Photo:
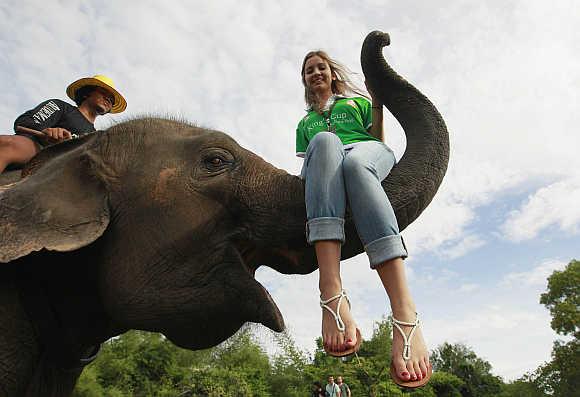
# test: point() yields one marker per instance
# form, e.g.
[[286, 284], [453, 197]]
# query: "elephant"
[[159, 225]]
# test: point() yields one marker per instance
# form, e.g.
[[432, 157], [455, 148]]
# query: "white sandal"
[[407, 353], [340, 324]]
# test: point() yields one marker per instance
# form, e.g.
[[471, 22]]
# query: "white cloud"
[[555, 205], [501, 333], [443, 221], [500, 320], [467, 288], [534, 278], [504, 76], [465, 245], [236, 69]]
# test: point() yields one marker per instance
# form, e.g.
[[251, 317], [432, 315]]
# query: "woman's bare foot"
[[417, 366], [392, 275], [332, 338], [330, 285]]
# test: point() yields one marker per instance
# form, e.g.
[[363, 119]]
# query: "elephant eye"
[[214, 162], [217, 161]]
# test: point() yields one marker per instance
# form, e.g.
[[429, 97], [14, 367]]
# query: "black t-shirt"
[[55, 113]]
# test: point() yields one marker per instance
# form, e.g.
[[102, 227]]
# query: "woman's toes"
[[402, 369], [328, 342], [411, 370], [423, 367], [342, 341], [336, 346], [350, 338], [418, 371], [405, 375]]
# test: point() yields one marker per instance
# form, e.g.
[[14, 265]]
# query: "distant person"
[[332, 389], [317, 390], [344, 389], [58, 120]]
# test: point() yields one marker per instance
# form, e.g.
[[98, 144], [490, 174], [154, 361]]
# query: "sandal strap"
[[397, 323], [324, 304]]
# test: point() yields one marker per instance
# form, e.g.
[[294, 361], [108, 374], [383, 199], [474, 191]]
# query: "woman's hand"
[[375, 101], [377, 129]]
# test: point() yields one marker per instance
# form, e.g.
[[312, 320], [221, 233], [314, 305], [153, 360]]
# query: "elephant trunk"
[[414, 181]]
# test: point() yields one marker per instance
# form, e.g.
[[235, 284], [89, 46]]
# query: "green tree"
[[242, 355], [287, 376], [219, 382], [461, 361], [561, 376], [140, 363], [563, 300], [135, 363], [445, 384], [88, 385], [373, 362], [525, 386]]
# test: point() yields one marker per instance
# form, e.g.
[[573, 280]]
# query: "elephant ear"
[[60, 206]]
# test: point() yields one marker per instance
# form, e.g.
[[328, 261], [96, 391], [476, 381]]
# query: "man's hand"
[[57, 134]]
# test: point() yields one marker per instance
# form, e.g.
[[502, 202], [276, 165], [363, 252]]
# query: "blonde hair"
[[342, 85]]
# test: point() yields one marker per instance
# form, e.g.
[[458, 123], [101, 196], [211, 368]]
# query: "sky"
[[505, 75]]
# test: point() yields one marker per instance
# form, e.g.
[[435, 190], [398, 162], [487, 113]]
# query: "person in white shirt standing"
[[332, 389]]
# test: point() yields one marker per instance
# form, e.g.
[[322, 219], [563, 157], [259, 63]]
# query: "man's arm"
[[45, 117]]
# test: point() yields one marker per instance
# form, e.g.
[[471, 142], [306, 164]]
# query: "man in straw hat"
[[54, 120]]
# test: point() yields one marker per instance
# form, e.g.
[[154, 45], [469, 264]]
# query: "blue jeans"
[[333, 174]]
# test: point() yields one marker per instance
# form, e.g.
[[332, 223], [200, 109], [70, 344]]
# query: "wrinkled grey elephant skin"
[[160, 225]]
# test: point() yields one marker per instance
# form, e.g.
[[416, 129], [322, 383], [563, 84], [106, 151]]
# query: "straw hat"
[[102, 81]]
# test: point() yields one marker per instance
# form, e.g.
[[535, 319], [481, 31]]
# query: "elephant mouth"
[[248, 253], [268, 312], [240, 299]]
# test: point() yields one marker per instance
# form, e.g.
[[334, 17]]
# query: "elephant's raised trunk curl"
[[413, 182], [411, 185]]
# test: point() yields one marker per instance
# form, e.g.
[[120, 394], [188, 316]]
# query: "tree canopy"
[[139, 363]]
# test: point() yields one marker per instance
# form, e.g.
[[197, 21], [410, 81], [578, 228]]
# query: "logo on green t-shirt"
[[348, 118]]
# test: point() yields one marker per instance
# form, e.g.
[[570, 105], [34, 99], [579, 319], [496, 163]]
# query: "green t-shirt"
[[349, 118]]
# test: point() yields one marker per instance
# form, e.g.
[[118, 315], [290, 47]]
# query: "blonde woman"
[[345, 159]]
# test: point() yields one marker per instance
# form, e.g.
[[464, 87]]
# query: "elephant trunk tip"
[[380, 38]]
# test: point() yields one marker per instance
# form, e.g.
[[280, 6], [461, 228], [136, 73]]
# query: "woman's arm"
[[377, 129]]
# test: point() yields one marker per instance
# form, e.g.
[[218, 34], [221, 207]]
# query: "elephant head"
[[159, 225]]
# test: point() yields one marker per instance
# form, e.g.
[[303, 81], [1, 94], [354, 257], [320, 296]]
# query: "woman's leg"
[[325, 208], [15, 149], [392, 275], [330, 284], [364, 167]]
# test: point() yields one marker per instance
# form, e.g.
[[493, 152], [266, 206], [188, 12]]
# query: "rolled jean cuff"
[[384, 249], [326, 228]]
